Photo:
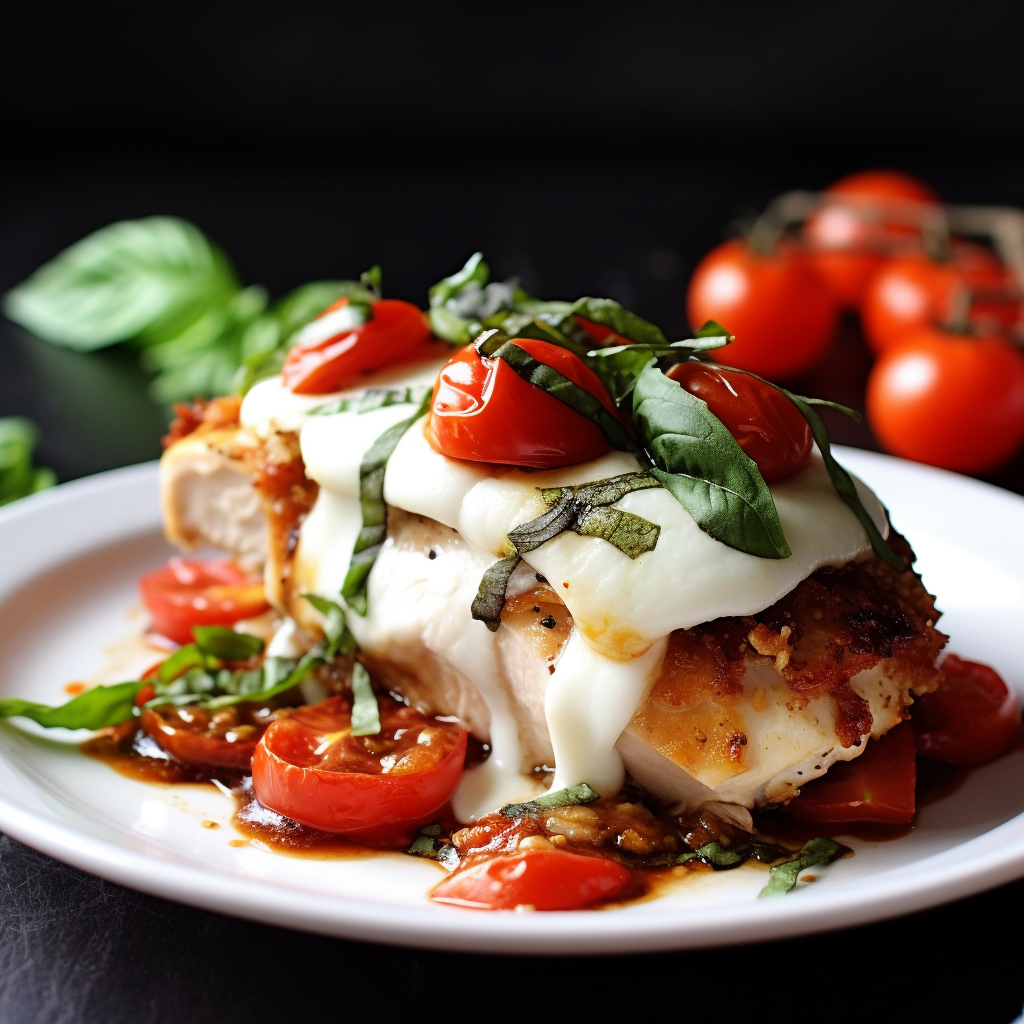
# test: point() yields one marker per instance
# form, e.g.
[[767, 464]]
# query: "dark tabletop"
[[592, 212]]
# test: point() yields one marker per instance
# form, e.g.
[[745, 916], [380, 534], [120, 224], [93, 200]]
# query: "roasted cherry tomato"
[[333, 352], [782, 315], [766, 424], [914, 291], [544, 879], [878, 785], [972, 717], [223, 738], [309, 767], [949, 400], [186, 593], [866, 218], [483, 411]]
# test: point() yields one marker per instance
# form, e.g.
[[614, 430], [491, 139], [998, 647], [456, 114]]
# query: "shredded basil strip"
[[227, 644], [784, 876], [365, 711], [373, 398], [490, 595], [571, 796], [559, 386], [699, 462], [716, 855], [374, 527], [339, 638], [95, 709]]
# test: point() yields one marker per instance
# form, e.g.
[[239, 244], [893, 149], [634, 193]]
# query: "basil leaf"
[[783, 877], [365, 712], [227, 644], [606, 312], [561, 387], [18, 477], [841, 479], [339, 638], [571, 796], [475, 271], [374, 398], [95, 709], [373, 531], [145, 279], [699, 462], [490, 595]]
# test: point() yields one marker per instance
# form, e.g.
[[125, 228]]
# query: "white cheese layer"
[[623, 609]]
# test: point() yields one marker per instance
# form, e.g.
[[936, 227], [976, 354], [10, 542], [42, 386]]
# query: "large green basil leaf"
[[699, 462]]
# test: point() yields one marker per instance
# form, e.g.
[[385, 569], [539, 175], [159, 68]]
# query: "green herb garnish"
[[18, 477], [571, 796], [784, 876]]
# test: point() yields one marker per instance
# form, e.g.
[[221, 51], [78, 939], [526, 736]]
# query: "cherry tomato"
[[863, 221], [332, 353], [766, 424], [224, 738], [972, 717], [950, 400], [483, 411], [186, 593], [781, 313], [309, 767], [543, 879], [878, 785], [914, 291]]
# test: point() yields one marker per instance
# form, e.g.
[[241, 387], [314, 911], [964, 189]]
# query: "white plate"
[[70, 558]]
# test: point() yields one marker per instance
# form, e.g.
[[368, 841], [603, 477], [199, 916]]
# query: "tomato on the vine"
[[337, 348], [863, 221], [916, 291], [951, 400], [766, 424], [971, 718], [483, 411], [544, 879], [877, 785], [186, 593], [782, 315], [309, 767]]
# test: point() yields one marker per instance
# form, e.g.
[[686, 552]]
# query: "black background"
[[591, 149]]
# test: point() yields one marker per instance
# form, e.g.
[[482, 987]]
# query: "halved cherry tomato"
[[911, 292], [878, 785], [766, 424], [186, 593], [538, 878], [224, 738], [333, 353], [781, 313], [867, 217], [972, 717], [309, 767], [949, 400], [483, 411]]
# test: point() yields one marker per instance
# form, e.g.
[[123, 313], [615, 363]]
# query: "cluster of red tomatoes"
[[941, 308]]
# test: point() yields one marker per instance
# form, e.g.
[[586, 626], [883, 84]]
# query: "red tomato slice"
[[876, 786], [186, 593], [336, 359], [221, 739], [309, 767], [483, 411], [766, 424], [542, 879], [972, 717]]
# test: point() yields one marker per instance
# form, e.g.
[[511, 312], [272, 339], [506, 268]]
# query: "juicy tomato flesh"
[[766, 424], [972, 717], [483, 411], [186, 593], [876, 786], [330, 360], [224, 738], [544, 879], [309, 767]]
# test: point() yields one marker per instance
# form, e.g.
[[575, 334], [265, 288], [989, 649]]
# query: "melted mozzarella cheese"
[[623, 609]]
